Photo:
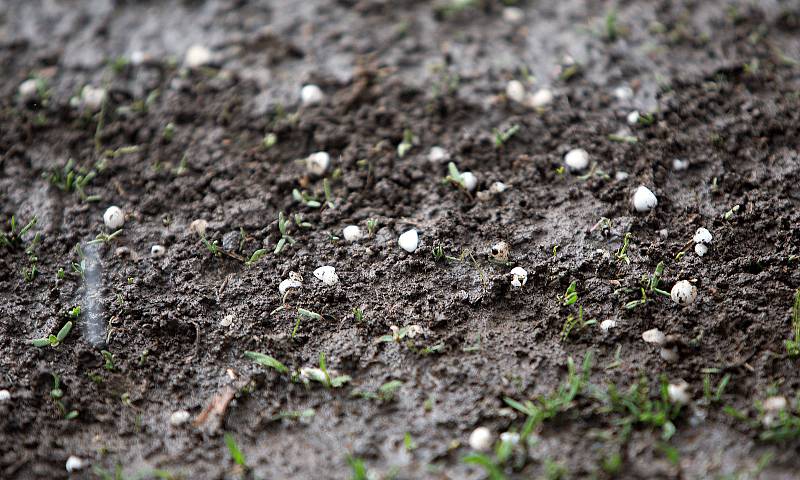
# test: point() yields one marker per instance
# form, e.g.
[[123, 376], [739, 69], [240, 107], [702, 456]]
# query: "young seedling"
[[714, 395], [372, 225], [306, 199], [270, 140], [266, 361], [406, 144], [326, 188], [298, 220], [611, 27], [571, 295], [622, 253], [651, 284], [13, 237], [108, 360], [503, 136], [212, 247], [455, 177], [235, 452], [54, 340], [283, 224], [573, 323], [399, 334], [358, 315], [385, 393], [70, 179], [793, 346], [104, 237], [255, 257], [79, 268], [322, 375], [359, 468], [57, 394]]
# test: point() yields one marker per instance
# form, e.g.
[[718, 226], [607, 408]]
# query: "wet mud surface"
[[716, 83]]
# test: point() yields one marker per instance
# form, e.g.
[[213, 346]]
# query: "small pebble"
[[317, 163], [157, 250], [179, 418], [481, 439], [470, 181], [5, 396], [519, 277], [74, 464], [327, 275], [576, 160], [114, 218], [198, 226], [644, 199], [683, 292], [654, 336], [409, 241], [230, 241], [437, 155], [352, 233], [515, 91], [499, 251], [311, 94]]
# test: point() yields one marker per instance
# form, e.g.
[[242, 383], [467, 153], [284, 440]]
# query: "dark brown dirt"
[[720, 78]]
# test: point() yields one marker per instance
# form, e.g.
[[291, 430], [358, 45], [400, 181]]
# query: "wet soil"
[[720, 79]]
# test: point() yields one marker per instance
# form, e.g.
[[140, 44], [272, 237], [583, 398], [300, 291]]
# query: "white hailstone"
[[409, 241], [513, 15], [92, 98], [287, 284], [621, 175], [654, 335], [663, 233], [701, 249], [576, 160], [633, 118], [157, 250], [775, 404], [227, 320], [438, 154], [29, 89], [607, 325], [519, 277], [470, 181], [413, 330], [197, 56], [5, 396], [352, 233], [327, 275], [138, 57], [179, 418], [644, 199], [114, 218], [702, 235], [481, 439], [498, 187], [515, 91], [198, 226], [311, 94], [678, 393], [318, 162], [683, 292], [509, 437], [669, 355], [541, 98], [680, 165], [623, 93], [74, 464]]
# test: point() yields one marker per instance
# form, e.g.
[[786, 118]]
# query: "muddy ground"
[[717, 84]]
